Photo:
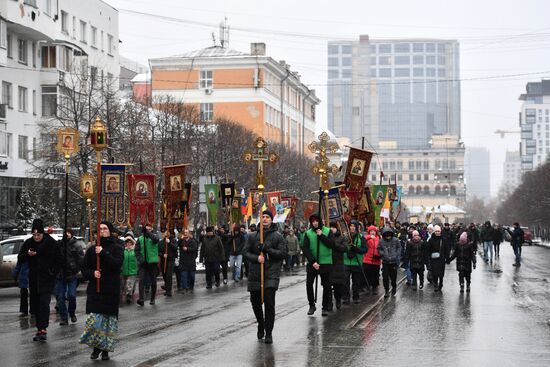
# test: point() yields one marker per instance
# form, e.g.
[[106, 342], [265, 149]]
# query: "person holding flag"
[[317, 249]]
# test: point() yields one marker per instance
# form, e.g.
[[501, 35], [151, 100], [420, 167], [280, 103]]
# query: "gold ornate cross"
[[322, 165], [260, 156]]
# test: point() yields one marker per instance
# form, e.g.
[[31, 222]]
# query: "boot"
[[105, 356], [95, 353], [64, 322], [324, 312], [260, 333], [268, 339], [338, 304], [468, 288], [462, 288], [387, 293], [421, 286], [311, 310], [73, 318], [393, 291]]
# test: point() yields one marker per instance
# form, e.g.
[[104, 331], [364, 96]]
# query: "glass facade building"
[[403, 91]]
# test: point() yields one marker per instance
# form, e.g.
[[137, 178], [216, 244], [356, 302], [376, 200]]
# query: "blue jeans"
[[517, 253], [66, 290], [235, 262], [487, 248], [188, 279]]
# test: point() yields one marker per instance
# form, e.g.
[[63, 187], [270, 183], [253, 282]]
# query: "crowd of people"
[[348, 264]]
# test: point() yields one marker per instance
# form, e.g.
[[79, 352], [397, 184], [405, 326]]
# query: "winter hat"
[[437, 228], [110, 226], [269, 213], [463, 238], [415, 234], [37, 226], [430, 226], [333, 225], [209, 229]]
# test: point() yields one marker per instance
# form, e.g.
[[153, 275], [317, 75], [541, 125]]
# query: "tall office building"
[[534, 121], [401, 91], [511, 174]]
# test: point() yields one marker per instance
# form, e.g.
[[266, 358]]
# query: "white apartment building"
[[534, 121], [511, 177], [41, 41]]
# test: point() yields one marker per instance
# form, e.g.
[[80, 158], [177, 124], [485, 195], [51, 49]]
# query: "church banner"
[[331, 206], [141, 193], [357, 169], [228, 193], [310, 208], [273, 199], [351, 201], [173, 197], [212, 192], [114, 206]]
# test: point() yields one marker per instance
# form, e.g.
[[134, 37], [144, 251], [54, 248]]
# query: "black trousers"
[[224, 269], [353, 272], [212, 269], [168, 276], [152, 271], [42, 308], [24, 300], [373, 274], [497, 249], [438, 272], [268, 321], [325, 283], [420, 273], [177, 271], [389, 272], [464, 275], [338, 289]]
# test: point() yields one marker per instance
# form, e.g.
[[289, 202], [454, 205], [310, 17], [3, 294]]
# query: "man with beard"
[[318, 250], [270, 255]]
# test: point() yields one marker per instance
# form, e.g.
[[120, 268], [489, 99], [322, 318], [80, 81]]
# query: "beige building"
[[430, 178]]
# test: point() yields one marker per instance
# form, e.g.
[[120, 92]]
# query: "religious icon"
[[357, 167], [227, 191], [235, 204], [274, 201], [256, 198], [379, 197], [141, 189], [112, 183], [88, 187], [345, 204], [391, 194], [68, 142], [332, 211], [211, 197], [175, 183], [279, 209]]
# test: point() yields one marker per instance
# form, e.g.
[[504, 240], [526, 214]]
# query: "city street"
[[504, 321]]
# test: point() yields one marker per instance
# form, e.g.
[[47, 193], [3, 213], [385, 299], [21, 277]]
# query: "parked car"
[[527, 236], [10, 249]]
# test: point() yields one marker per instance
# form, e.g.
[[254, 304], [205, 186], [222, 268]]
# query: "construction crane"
[[504, 132]]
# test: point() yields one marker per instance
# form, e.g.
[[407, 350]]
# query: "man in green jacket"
[[129, 268], [147, 254], [317, 248]]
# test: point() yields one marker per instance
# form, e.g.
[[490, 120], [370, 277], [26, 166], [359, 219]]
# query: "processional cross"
[[322, 166], [260, 156]]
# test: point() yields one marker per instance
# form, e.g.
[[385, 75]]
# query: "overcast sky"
[[503, 45]]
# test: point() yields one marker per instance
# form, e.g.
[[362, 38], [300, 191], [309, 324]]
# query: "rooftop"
[[214, 51]]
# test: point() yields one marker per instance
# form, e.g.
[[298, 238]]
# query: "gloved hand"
[[474, 265], [352, 249], [351, 255], [261, 248]]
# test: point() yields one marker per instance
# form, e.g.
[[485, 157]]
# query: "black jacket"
[[275, 251], [172, 248], [338, 274], [236, 244], [188, 257], [45, 265], [465, 256], [211, 250], [110, 263], [227, 243], [415, 254], [73, 257], [438, 245]]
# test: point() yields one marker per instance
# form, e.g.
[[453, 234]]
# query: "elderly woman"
[[102, 304]]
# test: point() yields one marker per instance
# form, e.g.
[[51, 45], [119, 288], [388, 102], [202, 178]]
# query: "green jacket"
[[360, 247], [325, 247], [129, 266], [148, 254]]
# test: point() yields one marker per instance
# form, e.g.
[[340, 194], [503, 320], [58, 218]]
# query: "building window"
[[22, 51], [346, 74], [418, 60], [430, 72], [83, 32], [48, 56], [33, 54], [426, 176], [7, 94], [207, 112], [411, 165], [205, 80], [373, 177], [438, 190], [49, 101], [110, 45], [402, 72], [418, 165], [400, 177], [48, 8], [411, 177], [384, 60], [418, 177], [332, 49], [418, 190], [373, 165], [426, 190], [34, 102], [411, 190], [426, 164], [23, 147], [356, 111], [419, 72], [430, 60], [402, 47], [346, 49], [453, 190], [74, 27], [346, 61], [333, 74], [65, 61], [5, 144], [94, 36], [22, 99], [392, 165], [418, 47], [332, 61], [384, 165], [430, 47], [402, 60], [9, 49], [3, 34], [399, 165], [64, 22], [384, 48], [384, 73]]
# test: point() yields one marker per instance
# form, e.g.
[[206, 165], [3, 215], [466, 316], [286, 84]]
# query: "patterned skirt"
[[100, 331]]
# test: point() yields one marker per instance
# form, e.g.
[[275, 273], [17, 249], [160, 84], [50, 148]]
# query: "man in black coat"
[[189, 249], [72, 253], [211, 255], [270, 253], [44, 259], [226, 238], [168, 252]]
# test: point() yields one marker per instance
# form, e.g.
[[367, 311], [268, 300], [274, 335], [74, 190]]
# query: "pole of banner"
[[98, 233]]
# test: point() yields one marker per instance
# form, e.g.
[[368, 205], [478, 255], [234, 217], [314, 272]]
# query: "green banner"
[[378, 198], [212, 193]]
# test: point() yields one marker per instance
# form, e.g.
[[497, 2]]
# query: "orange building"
[[252, 89]]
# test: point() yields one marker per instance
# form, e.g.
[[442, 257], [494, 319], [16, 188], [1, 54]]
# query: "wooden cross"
[[322, 165], [260, 156]]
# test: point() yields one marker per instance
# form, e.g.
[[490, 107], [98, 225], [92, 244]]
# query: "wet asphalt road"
[[504, 321]]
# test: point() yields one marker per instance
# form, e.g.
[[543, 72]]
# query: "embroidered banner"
[[331, 206], [141, 193], [228, 193], [114, 207], [357, 169], [351, 201], [310, 208], [273, 199], [173, 196], [212, 192]]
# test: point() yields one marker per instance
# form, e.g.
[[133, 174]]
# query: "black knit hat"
[[209, 229], [110, 226], [37, 226], [314, 217], [268, 212]]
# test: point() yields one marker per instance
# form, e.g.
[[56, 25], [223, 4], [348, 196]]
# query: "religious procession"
[[351, 240]]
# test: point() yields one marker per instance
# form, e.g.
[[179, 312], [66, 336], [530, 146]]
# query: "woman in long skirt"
[[102, 307]]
